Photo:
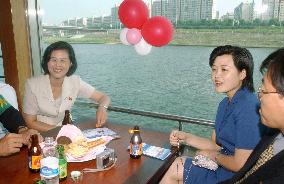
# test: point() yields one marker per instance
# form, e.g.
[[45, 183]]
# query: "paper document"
[[98, 132], [154, 151]]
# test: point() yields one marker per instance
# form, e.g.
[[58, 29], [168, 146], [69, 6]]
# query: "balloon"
[[143, 48], [133, 13], [133, 36], [157, 31], [122, 36]]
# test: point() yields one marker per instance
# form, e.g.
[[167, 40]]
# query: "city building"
[[275, 10], [279, 10], [244, 11], [115, 22], [184, 10], [81, 22], [227, 16], [269, 11]]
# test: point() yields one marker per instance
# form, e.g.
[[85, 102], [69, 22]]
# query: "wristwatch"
[[104, 106], [22, 128]]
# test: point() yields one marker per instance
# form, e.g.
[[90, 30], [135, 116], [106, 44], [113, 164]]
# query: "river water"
[[172, 80]]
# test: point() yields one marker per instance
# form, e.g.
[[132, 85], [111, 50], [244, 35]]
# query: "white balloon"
[[122, 36], [142, 47]]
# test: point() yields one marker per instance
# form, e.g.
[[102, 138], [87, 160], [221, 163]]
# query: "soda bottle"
[[135, 143], [49, 162], [62, 163], [67, 119], [34, 154]]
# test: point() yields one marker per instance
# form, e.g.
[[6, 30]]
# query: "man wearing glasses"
[[266, 163]]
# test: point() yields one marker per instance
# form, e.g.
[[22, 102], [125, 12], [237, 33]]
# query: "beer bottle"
[[135, 143], [62, 163], [67, 119], [34, 154]]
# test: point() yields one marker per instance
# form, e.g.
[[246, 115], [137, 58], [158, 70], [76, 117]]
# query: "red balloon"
[[133, 13], [157, 31]]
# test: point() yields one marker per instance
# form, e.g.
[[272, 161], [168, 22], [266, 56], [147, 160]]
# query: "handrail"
[[180, 119], [2, 77]]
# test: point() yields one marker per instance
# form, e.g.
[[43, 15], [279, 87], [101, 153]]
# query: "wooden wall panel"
[[15, 44]]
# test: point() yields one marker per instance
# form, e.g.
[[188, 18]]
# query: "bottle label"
[[35, 162], [49, 167], [62, 168], [136, 149]]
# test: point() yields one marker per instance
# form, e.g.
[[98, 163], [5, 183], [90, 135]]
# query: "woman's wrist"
[[22, 129], [187, 139], [217, 157], [104, 107]]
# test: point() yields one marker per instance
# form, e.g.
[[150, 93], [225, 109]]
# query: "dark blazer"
[[271, 172]]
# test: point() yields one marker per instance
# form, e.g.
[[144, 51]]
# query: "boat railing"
[[1, 76], [179, 119]]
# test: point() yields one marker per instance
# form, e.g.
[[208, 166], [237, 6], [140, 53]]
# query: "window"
[[174, 79]]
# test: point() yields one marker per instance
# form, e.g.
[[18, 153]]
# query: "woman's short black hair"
[[273, 65], [60, 45], [242, 60]]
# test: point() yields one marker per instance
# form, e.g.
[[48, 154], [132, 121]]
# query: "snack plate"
[[92, 153]]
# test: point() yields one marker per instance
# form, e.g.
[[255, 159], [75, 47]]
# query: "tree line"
[[227, 23]]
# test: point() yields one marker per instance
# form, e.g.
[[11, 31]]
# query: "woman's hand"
[[104, 101], [212, 154], [177, 137], [101, 116]]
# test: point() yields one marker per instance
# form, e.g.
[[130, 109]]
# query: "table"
[[14, 168]]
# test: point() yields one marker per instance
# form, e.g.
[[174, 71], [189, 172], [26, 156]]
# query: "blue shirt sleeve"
[[247, 123]]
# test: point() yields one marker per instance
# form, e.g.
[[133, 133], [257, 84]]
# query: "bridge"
[[73, 28]]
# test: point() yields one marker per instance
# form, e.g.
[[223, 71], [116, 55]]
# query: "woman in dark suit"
[[266, 163]]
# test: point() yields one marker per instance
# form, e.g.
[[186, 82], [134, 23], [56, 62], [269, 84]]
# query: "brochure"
[[155, 151], [99, 132]]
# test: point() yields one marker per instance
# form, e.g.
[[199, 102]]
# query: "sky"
[[56, 11]]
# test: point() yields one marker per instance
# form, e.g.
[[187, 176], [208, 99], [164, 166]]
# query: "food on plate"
[[81, 146], [95, 143], [78, 148], [74, 142]]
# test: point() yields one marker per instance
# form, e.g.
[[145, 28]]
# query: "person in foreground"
[[266, 163], [236, 130], [8, 92], [19, 134], [48, 96]]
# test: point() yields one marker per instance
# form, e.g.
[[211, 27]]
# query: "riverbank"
[[256, 37]]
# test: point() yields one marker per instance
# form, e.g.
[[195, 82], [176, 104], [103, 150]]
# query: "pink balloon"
[[133, 13], [157, 31], [122, 36], [143, 48], [133, 36]]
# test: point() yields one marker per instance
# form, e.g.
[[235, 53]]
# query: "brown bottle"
[[67, 118], [34, 154], [135, 144]]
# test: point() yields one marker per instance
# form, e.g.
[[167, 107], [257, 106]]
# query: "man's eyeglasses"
[[261, 92]]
